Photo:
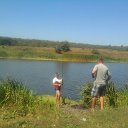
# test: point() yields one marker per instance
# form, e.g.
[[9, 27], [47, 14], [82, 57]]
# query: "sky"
[[100, 22]]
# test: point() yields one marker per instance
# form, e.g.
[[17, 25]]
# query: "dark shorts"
[[98, 90], [57, 88]]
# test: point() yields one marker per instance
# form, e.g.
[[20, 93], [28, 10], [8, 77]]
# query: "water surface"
[[38, 75]]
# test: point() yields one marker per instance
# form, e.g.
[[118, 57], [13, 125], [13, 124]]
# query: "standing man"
[[102, 75], [57, 83]]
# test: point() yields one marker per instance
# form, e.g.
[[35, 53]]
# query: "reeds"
[[114, 97], [21, 100]]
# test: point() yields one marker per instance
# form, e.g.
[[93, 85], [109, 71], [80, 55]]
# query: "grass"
[[75, 54], [114, 97], [20, 108]]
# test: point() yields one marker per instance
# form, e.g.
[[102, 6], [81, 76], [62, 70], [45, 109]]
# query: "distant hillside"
[[47, 43]]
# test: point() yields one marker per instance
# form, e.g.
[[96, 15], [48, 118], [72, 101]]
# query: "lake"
[[38, 75]]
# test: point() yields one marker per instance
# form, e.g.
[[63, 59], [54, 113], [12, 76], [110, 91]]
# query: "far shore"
[[85, 55], [60, 60]]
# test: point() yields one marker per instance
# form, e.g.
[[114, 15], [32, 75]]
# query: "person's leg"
[[94, 95], [102, 102], [93, 102], [58, 97], [102, 94]]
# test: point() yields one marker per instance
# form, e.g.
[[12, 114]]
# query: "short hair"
[[101, 59], [57, 74]]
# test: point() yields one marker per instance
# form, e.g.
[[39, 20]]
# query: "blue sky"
[[102, 22]]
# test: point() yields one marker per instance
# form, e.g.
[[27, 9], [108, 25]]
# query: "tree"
[[65, 46], [7, 42], [58, 49]]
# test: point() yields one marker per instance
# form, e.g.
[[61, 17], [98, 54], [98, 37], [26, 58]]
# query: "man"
[[57, 83], [102, 75]]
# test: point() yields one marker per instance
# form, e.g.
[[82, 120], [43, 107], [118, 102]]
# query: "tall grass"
[[114, 97], [14, 95], [20, 108], [122, 93], [86, 94], [76, 54]]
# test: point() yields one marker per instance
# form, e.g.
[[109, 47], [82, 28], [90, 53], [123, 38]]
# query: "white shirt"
[[56, 80]]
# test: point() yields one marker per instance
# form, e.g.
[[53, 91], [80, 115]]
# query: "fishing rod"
[[62, 75], [62, 72]]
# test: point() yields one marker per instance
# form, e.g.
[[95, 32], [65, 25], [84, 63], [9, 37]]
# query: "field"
[[75, 54]]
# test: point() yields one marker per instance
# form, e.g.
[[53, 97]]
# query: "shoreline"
[[60, 60]]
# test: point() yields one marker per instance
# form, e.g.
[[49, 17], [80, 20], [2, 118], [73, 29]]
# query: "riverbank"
[[74, 55], [19, 108]]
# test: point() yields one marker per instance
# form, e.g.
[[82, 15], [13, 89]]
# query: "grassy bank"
[[75, 55], [20, 108]]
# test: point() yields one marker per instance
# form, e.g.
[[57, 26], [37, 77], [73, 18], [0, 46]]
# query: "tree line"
[[58, 45]]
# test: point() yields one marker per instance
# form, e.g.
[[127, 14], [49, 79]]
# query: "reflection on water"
[[38, 75]]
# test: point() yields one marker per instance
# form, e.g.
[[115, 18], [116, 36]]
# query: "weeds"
[[19, 108], [20, 100], [111, 94], [114, 97], [86, 94]]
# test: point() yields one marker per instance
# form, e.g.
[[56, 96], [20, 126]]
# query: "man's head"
[[101, 60]]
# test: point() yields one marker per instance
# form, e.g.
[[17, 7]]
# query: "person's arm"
[[108, 77], [61, 82], [94, 71], [56, 82]]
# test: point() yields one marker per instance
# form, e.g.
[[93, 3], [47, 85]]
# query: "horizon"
[[84, 21], [64, 41]]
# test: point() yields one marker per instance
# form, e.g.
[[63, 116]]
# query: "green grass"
[[75, 55], [20, 108], [114, 97]]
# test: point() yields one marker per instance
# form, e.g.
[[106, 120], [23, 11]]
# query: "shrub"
[[58, 50], [86, 94], [123, 96], [13, 92], [94, 51], [111, 94], [20, 100], [63, 47], [15, 95]]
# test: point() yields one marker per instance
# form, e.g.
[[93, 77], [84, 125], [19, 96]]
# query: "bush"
[[114, 97], [63, 47], [20, 100], [86, 94], [58, 50], [123, 96], [111, 94], [94, 51], [15, 95], [13, 92]]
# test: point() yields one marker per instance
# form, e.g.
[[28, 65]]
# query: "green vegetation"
[[14, 48], [75, 54], [20, 108], [94, 51], [114, 97], [63, 47], [8, 41]]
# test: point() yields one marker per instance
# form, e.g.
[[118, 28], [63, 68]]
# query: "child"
[[57, 83]]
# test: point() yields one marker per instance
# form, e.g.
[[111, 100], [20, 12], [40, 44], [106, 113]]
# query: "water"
[[38, 75]]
